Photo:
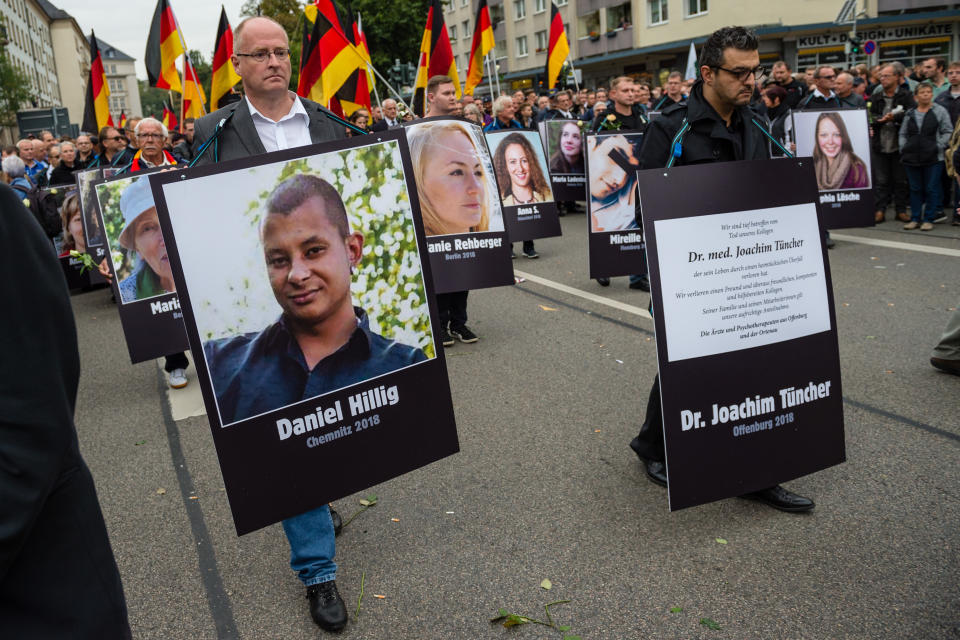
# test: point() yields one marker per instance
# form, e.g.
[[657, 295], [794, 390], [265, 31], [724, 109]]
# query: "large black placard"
[[615, 238], [459, 204], [289, 240], [838, 141], [745, 324], [126, 222]]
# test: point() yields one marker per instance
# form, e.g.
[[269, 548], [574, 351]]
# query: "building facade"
[[29, 48], [647, 39], [71, 54]]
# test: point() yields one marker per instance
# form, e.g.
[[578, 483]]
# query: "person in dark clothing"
[[778, 110], [823, 96], [784, 79], [887, 109], [715, 125], [63, 172], [58, 576]]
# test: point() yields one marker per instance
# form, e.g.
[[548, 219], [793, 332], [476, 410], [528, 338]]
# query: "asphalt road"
[[546, 487]]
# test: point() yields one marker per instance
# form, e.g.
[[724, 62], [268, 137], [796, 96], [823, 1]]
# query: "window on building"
[[465, 26], [519, 9], [496, 14], [619, 17], [500, 50], [521, 46], [453, 32], [464, 3], [540, 6], [696, 8], [658, 11], [588, 26], [541, 40], [561, 3]]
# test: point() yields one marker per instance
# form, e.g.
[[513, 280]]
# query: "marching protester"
[[63, 172], [793, 89], [846, 96], [390, 119], [115, 152], [183, 149], [924, 134], [359, 118], [719, 128], [270, 118], [85, 150], [822, 96], [58, 576], [36, 170], [672, 91], [887, 110]]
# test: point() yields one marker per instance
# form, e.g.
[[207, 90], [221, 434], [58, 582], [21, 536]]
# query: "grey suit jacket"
[[240, 139]]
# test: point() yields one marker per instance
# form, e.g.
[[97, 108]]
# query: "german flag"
[[331, 63], [164, 46], [436, 57], [365, 77], [483, 43], [224, 75], [558, 49], [169, 118], [194, 101], [96, 110], [122, 124]]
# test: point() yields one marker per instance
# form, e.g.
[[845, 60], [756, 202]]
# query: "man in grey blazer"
[[270, 118]]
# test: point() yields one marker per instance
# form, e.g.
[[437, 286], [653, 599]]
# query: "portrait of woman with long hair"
[[834, 162], [568, 158], [518, 171]]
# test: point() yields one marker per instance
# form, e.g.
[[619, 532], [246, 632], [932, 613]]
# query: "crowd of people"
[[909, 133]]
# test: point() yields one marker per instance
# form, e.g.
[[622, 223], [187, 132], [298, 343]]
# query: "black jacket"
[[708, 138], [795, 92], [951, 104], [62, 174], [903, 97], [815, 102], [638, 117]]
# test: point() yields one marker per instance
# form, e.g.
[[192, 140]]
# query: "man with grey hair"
[[887, 110], [14, 174], [504, 108], [151, 135], [36, 170], [390, 120], [270, 117], [845, 94]]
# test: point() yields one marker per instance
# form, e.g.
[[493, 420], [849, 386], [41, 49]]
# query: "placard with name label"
[[526, 195], [309, 305], [459, 205], [142, 283], [563, 142], [839, 143], [616, 240], [745, 326]]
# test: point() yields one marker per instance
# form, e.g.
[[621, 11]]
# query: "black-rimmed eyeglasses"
[[742, 74]]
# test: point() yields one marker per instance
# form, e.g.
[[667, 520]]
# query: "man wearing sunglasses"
[[720, 130], [114, 152], [269, 118], [823, 95]]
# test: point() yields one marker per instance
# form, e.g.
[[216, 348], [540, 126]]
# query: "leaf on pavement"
[[161, 491], [546, 308], [721, 541], [137, 444], [676, 609], [710, 624], [546, 584]]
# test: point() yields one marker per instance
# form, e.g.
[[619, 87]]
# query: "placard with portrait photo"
[[310, 311], [563, 141], [524, 183], [136, 251], [838, 141], [71, 239], [459, 204], [615, 238]]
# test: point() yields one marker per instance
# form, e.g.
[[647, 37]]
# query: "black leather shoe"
[[950, 366], [643, 284], [337, 522], [779, 498], [604, 282], [326, 606], [656, 471]]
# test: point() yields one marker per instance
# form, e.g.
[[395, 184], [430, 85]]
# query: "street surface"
[[545, 486]]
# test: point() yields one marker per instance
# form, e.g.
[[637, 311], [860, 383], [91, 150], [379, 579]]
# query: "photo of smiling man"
[[321, 341]]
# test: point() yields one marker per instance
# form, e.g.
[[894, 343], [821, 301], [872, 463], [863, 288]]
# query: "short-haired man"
[[183, 150], [36, 171], [886, 112], [934, 71], [847, 97], [517, 98], [268, 118], [85, 150], [441, 96], [822, 96], [720, 128], [562, 107], [950, 98], [783, 77], [151, 135], [390, 120], [114, 152], [672, 91], [320, 342]]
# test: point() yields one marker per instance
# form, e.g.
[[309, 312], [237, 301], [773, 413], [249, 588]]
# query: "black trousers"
[[890, 181], [650, 437], [176, 361], [452, 308]]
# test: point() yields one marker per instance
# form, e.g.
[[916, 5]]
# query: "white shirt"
[[292, 130]]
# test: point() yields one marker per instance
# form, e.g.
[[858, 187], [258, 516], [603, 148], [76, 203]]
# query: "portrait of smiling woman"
[[520, 175], [452, 179], [834, 161], [151, 275]]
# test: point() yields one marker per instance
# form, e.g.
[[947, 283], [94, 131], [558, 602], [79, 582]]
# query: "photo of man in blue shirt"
[[321, 342]]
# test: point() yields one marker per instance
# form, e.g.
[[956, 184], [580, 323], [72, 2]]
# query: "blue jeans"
[[311, 546], [924, 189]]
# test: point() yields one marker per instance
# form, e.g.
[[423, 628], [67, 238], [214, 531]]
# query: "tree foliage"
[[289, 13], [151, 100], [14, 90]]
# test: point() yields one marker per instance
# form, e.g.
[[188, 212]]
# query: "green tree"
[[152, 99], [14, 90], [289, 13]]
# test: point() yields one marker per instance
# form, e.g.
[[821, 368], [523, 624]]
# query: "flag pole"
[[486, 60], [187, 64], [575, 82]]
